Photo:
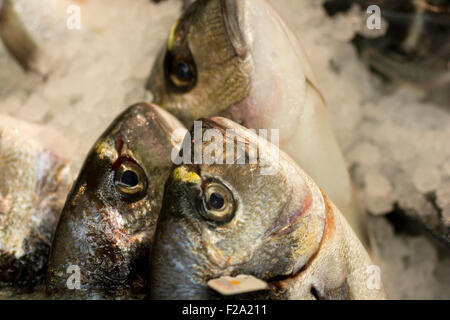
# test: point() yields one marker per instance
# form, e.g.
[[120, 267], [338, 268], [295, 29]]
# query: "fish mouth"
[[167, 123]]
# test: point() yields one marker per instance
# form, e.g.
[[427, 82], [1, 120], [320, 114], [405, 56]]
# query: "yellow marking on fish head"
[[171, 39], [105, 150], [181, 174]]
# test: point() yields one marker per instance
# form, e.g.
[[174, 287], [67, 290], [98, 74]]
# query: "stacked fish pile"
[[151, 215]]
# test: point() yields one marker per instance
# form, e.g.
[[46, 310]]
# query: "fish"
[[35, 179], [239, 60], [228, 219], [101, 245]]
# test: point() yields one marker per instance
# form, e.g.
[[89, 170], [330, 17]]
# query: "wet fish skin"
[[283, 230], [106, 228], [239, 60], [34, 182]]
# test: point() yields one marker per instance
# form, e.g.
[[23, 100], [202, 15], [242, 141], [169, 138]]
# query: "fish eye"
[[218, 203], [131, 180], [181, 71]]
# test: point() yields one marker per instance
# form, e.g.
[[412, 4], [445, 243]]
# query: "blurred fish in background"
[[415, 47], [25, 25], [34, 182]]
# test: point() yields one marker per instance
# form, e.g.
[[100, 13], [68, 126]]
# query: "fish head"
[[203, 67], [233, 218], [107, 224], [235, 59]]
